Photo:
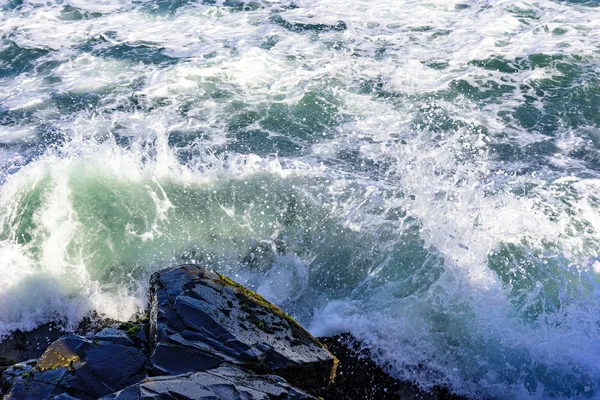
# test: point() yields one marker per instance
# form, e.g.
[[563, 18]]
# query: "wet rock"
[[38, 385], [21, 346], [300, 27], [93, 324], [360, 378], [64, 396], [16, 371], [200, 319], [224, 383], [85, 369], [63, 352], [116, 335]]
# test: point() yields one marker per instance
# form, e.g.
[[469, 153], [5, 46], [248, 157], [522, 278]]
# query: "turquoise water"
[[425, 175]]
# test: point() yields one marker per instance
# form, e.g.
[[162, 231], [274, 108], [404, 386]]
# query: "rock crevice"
[[205, 337]]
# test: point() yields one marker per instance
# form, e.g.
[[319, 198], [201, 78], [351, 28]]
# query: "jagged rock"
[[74, 366], [223, 383], [21, 346], [63, 352], [201, 323], [360, 378], [300, 27], [15, 371], [200, 319], [38, 385], [115, 335], [64, 396]]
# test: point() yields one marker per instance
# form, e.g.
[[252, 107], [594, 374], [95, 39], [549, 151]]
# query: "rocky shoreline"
[[204, 337]]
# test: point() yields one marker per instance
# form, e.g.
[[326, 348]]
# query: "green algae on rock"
[[217, 337], [211, 320], [76, 366]]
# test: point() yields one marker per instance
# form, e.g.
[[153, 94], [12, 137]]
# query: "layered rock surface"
[[359, 377], [223, 383], [86, 369], [21, 346], [200, 319], [208, 337]]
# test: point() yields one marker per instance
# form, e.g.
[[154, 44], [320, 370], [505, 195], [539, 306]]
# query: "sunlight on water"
[[424, 175]]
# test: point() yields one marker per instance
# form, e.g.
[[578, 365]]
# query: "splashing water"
[[425, 175]]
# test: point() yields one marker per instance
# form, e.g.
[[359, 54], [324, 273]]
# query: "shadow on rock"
[[86, 369], [360, 378]]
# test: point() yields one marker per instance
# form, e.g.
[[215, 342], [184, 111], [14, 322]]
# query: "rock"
[[115, 335], [63, 352], [21, 346], [64, 396], [74, 366], [200, 319], [209, 335], [92, 324], [300, 27], [225, 382], [15, 371], [38, 385], [359, 377]]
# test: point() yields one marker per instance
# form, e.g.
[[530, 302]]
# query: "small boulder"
[[74, 366], [63, 352], [223, 383], [38, 385], [21, 346], [15, 371], [200, 319]]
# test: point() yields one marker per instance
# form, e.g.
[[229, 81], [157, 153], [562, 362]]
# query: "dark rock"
[[21, 346], [93, 324], [15, 371], [115, 335], [63, 352], [64, 396], [81, 368], [360, 378], [109, 367], [224, 383], [300, 27], [200, 319], [38, 385]]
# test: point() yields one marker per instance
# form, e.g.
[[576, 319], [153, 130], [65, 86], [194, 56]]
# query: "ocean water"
[[423, 174]]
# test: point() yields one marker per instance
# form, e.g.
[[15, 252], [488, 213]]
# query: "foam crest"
[[422, 174]]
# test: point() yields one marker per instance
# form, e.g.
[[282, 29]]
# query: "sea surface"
[[424, 174]]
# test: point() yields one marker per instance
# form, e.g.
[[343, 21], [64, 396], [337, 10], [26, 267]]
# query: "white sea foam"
[[405, 205]]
